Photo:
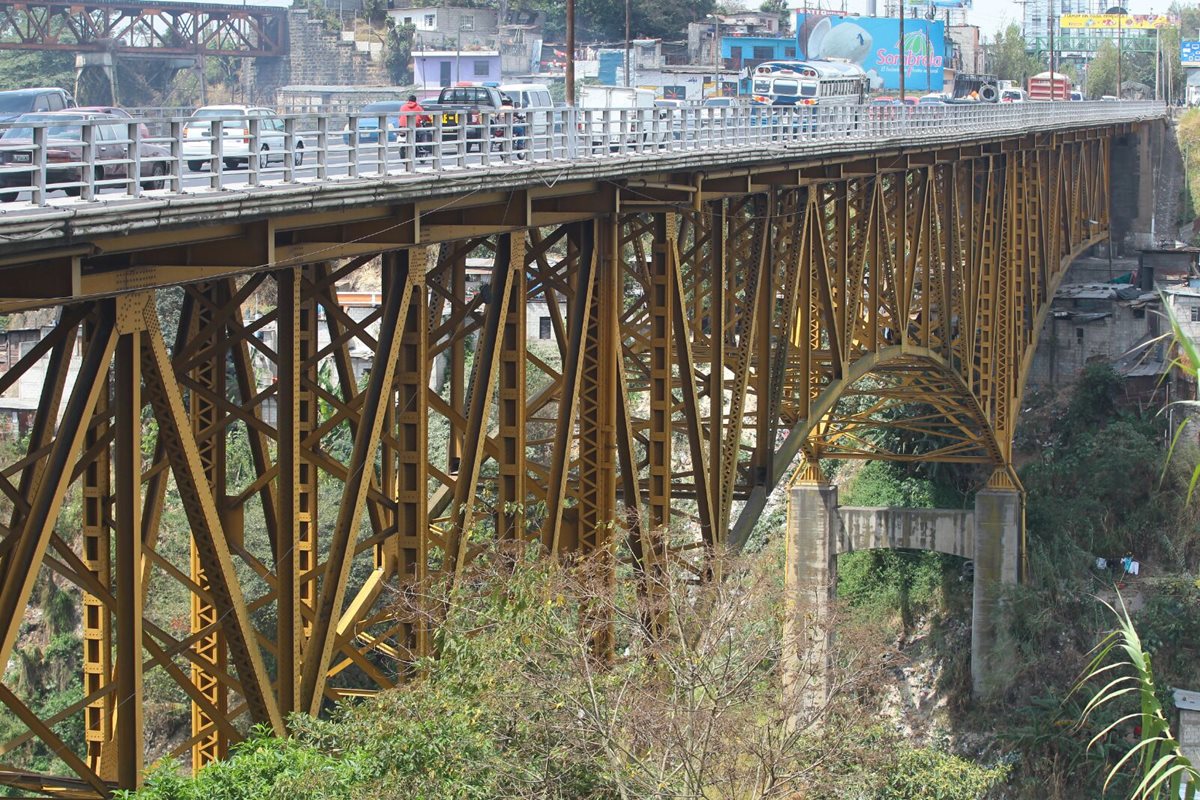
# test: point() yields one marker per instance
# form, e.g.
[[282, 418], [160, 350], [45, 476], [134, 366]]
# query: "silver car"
[[272, 145]]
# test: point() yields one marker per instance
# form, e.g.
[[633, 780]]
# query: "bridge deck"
[[65, 248]]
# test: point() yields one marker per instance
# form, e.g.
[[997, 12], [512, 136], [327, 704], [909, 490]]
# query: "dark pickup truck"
[[456, 102]]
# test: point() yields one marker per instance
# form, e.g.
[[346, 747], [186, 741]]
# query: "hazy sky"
[[989, 15]]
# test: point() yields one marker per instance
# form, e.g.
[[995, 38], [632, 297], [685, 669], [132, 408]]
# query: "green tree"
[[375, 11], [604, 20], [1102, 71], [21, 68], [397, 54], [779, 7], [1189, 28], [1009, 58]]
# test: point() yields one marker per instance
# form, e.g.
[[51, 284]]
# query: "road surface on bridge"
[[585, 146]]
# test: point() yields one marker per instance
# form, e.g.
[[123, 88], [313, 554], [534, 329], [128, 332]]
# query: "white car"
[[272, 142]]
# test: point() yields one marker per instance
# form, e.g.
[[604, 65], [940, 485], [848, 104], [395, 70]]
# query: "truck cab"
[[462, 107]]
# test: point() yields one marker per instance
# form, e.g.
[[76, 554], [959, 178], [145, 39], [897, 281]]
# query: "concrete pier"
[[818, 531]]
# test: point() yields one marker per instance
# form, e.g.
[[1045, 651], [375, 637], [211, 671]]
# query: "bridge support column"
[[999, 520], [811, 586]]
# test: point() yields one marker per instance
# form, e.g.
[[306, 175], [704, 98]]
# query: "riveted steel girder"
[[632, 375]]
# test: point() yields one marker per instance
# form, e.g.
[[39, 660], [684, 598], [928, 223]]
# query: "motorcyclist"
[[508, 109], [415, 111], [410, 108]]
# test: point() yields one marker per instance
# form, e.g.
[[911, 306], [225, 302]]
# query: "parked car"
[[933, 99], [1076, 95], [117, 112], [883, 107], [16, 102], [235, 137], [64, 151]]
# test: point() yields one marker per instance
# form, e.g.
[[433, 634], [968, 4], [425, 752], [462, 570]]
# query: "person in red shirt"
[[421, 128], [410, 107]]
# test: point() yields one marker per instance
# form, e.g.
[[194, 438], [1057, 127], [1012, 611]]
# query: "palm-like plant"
[[1121, 660]]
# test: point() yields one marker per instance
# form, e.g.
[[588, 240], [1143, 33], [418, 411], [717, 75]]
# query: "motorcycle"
[[500, 130]]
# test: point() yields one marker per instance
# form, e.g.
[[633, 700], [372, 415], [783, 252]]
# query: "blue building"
[[740, 52], [743, 53]]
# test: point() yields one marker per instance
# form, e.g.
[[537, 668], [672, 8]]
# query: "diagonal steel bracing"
[[632, 379]]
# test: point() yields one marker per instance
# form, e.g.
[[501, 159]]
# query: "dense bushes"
[[519, 705]]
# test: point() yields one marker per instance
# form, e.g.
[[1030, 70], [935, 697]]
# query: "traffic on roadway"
[[58, 158]]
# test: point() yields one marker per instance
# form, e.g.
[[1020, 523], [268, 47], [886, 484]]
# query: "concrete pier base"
[[818, 531], [95, 79], [999, 519], [811, 584]]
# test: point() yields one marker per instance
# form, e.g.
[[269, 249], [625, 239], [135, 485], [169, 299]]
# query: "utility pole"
[[928, 58], [1050, 21], [716, 52], [1170, 73], [628, 71], [1157, 63], [903, 65], [570, 71], [1120, 21]]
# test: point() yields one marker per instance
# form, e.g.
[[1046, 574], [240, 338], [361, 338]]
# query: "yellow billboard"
[[1129, 22]]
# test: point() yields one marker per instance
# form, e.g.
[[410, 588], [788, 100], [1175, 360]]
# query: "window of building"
[[764, 53], [1079, 335], [1195, 313], [543, 327], [466, 23], [790, 52], [735, 52], [408, 20], [1139, 313], [430, 20], [482, 68]]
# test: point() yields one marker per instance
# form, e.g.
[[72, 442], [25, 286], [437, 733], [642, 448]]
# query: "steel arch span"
[[634, 373]]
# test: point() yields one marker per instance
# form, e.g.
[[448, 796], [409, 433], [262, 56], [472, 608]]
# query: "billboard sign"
[[874, 44], [1189, 53], [1110, 22]]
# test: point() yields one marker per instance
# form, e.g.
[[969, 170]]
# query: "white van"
[[528, 95], [535, 101]]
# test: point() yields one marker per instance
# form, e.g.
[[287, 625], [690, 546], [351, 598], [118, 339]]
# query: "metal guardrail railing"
[[60, 163]]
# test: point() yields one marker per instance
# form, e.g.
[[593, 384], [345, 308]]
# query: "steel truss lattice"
[[703, 332]]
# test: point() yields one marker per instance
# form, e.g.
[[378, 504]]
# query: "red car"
[[64, 149]]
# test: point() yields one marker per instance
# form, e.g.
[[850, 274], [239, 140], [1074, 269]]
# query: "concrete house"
[[437, 68], [448, 28]]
